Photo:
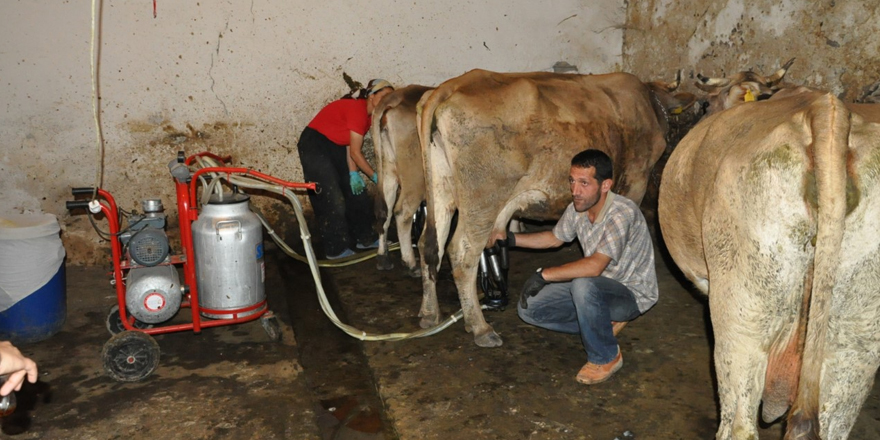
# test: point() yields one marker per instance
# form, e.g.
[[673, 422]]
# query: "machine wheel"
[[114, 322], [130, 356], [271, 326]]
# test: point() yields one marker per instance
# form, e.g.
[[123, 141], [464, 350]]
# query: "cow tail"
[[830, 125], [377, 132], [426, 126]]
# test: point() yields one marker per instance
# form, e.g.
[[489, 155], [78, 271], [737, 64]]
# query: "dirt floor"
[[234, 383]]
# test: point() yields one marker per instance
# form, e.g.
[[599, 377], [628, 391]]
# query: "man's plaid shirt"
[[620, 232]]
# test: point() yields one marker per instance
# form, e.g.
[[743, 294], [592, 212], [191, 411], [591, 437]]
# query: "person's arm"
[[537, 240], [16, 366], [591, 266], [356, 154], [351, 165]]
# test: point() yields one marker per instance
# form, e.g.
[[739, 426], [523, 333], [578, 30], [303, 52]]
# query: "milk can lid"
[[228, 198], [25, 226]]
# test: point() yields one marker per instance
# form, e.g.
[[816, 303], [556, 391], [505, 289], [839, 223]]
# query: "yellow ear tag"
[[677, 111], [748, 97]]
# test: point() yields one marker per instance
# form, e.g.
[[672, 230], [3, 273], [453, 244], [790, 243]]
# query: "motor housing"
[[153, 294]]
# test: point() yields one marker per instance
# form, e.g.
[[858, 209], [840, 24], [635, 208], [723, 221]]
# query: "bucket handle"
[[221, 223]]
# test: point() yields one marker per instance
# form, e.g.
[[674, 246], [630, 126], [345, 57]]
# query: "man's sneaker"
[[616, 327], [592, 374], [345, 253], [373, 245]]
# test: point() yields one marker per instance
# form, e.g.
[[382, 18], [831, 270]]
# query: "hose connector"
[[94, 206]]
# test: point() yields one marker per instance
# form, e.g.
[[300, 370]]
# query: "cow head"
[[679, 109], [724, 93]]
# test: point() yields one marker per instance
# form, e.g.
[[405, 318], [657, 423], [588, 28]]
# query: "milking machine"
[[222, 264]]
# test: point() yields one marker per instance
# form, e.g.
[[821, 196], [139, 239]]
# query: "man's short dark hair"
[[596, 159]]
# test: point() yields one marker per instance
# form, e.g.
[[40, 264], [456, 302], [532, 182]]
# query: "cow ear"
[[682, 101]]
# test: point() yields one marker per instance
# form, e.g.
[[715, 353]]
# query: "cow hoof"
[[488, 340], [429, 321], [415, 272], [383, 262]]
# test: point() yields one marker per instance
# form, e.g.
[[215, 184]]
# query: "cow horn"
[[776, 77], [674, 85], [667, 87], [707, 84]]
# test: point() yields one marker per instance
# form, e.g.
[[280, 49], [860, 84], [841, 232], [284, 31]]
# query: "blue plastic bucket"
[[33, 288]]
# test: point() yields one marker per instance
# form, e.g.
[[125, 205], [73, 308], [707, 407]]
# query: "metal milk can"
[[228, 247]]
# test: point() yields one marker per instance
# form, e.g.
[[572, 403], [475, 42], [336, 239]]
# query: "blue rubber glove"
[[356, 182], [375, 177]]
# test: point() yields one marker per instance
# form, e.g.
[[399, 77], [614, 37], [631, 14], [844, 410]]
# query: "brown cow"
[[399, 164], [772, 208], [496, 145]]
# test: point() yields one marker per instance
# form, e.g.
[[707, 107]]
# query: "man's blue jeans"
[[584, 306]]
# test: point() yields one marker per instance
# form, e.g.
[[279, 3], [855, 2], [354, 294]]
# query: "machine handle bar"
[[82, 190], [76, 204]]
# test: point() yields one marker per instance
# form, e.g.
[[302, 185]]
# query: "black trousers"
[[343, 218]]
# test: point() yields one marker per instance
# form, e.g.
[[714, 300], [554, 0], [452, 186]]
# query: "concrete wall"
[[244, 77], [240, 78], [836, 42]]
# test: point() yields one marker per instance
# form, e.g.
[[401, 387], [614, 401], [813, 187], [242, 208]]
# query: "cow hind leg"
[[739, 365], [436, 231], [404, 217], [387, 199], [465, 257]]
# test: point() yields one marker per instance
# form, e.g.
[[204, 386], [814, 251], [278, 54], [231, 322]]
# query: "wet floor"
[[233, 382]]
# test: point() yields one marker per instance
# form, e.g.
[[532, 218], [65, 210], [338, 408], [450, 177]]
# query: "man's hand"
[[15, 365], [509, 241], [356, 182], [531, 288]]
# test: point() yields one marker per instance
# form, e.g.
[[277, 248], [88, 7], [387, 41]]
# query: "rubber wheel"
[[130, 356], [272, 327], [114, 322]]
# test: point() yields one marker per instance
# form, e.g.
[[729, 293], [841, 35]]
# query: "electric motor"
[[148, 247], [145, 238]]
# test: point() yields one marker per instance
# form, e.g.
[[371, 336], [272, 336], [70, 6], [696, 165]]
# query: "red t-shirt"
[[341, 116]]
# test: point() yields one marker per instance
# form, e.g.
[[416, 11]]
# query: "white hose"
[[93, 62], [254, 183]]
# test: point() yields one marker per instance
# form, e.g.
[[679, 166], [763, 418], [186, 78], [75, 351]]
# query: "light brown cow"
[[772, 208], [497, 145], [399, 164]]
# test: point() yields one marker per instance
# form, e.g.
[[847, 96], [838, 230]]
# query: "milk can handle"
[[228, 222]]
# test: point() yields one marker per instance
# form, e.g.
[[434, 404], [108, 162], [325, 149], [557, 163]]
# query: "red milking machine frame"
[[132, 354]]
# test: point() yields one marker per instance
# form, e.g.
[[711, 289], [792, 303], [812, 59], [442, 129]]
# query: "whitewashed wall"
[[238, 77], [244, 77]]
